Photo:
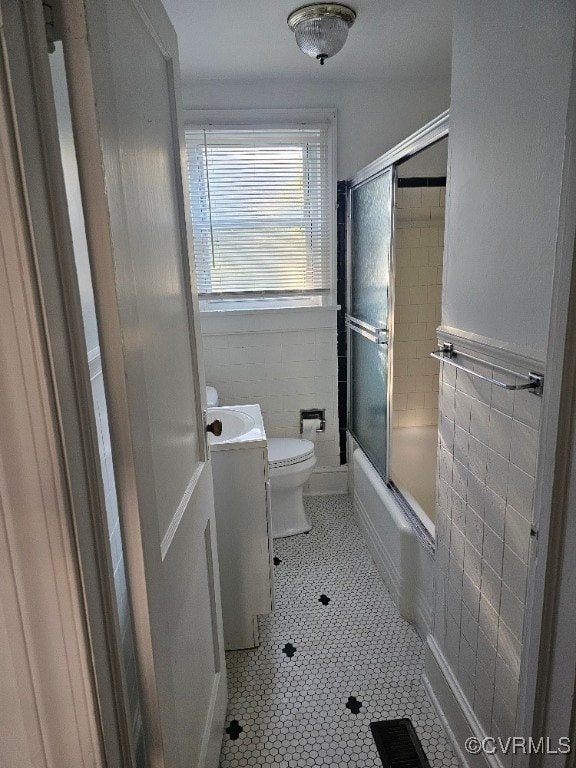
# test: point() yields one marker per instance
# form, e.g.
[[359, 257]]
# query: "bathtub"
[[404, 559]]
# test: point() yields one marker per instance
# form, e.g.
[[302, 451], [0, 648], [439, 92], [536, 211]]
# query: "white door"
[[122, 67]]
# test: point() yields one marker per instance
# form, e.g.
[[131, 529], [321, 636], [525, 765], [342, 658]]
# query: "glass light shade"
[[321, 37], [321, 29]]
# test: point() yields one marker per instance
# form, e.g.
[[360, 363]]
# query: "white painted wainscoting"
[[285, 360]]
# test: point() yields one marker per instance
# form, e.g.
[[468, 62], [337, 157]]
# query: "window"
[[261, 208]]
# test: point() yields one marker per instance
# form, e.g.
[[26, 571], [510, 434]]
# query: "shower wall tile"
[[517, 533], [486, 470], [523, 447], [514, 573], [417, 311]]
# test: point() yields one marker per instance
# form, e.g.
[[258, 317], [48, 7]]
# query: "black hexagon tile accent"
[[289, 650], [353, 705], [324, 599], [362, 662], [234, 729]]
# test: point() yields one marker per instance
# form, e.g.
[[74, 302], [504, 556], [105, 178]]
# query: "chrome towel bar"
[[534, 383], [370, 332]]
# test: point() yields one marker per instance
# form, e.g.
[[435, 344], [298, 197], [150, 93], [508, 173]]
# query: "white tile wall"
[[487, 463], [417, 309], [285, 371]]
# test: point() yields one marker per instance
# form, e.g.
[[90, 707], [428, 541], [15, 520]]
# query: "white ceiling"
[[249, 39]]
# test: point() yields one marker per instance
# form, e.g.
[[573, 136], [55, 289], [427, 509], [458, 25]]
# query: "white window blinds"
[[260, 210]]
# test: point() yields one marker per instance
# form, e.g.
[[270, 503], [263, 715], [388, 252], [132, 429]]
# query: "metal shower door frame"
[[352, 322], [429, 134]]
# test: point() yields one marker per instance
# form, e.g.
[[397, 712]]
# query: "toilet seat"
[[285, 451]]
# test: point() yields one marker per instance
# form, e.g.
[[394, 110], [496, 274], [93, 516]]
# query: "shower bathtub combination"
[[395, 223]]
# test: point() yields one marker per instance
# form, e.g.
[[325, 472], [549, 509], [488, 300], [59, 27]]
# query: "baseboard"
[[453, 708], [327, 481]]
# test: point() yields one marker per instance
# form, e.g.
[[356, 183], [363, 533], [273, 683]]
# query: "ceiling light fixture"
[[321, 29]]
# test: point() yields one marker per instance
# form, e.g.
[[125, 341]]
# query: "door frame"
[[547, 689], [78, 630]]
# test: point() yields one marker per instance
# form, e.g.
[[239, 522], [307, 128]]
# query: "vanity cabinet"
[[243, 529]]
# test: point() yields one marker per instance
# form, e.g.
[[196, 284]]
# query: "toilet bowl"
[[290, 464]]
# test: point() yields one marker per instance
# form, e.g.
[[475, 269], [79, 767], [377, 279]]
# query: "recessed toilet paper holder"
[[314, 413]]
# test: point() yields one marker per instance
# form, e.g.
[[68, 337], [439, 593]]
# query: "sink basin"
[[235, 424]]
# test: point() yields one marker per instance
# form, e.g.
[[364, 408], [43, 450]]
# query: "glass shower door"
[[370, 206]]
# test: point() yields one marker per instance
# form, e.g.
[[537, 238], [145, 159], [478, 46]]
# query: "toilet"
[[290, 464], [211, 397]]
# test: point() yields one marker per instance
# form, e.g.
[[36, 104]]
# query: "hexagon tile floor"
[[334, 657]]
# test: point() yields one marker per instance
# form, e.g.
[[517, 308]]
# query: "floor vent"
[[398, 745]]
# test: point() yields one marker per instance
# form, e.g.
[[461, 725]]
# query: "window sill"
[[272, 320], [218, 309]]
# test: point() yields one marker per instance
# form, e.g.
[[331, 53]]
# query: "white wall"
[[372, 116], [294, 366], [432, 161], [510, 77], [511, 72], [284, 360]]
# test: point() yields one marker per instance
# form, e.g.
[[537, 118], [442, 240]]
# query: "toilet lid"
[[283, 451]]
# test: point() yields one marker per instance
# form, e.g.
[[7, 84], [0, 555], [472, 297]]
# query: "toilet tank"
[[211, 397]]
